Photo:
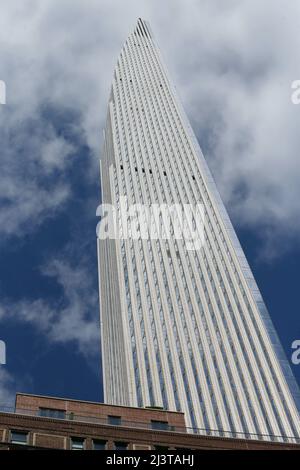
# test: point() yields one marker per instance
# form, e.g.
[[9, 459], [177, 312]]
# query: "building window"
[[115, 420], [161, 448], [19, 437], [52, 413], [160, 425], [99, 445], [77, 443], [121, 445]]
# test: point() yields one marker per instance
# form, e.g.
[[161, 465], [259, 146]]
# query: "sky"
[[233, 64]]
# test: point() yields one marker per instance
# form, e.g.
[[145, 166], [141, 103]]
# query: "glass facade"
[[182, 329]]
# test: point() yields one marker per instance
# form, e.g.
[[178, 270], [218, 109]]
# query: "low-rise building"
[[40, 422]]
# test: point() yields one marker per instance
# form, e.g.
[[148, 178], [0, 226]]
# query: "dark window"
[[193, 177], [165, 173], [161, 448], [52, 413], [143, 170], [162, 425], [116, 420], [121, 166], [77, 443], [18, 437], [121, 445], [150, 171], [135, 168], [99, 445]]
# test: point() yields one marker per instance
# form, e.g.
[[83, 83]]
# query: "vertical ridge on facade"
[[184, 330]]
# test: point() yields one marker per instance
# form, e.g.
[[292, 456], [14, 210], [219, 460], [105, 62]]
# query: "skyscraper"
[[181, 329]]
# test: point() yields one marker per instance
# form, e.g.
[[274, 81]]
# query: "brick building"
[[40, 422]]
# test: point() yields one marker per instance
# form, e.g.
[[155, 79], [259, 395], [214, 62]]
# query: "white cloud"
[[78, 319], [73, 317], [236, 83], [234, 63]]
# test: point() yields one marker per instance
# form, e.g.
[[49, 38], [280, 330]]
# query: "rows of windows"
[[187, 160], [286, 410], [240, 341], [76, 443], [178, 194], [182, 365], [79, 443], [274, 375], [142, 326], [141, 196], [158, 135]]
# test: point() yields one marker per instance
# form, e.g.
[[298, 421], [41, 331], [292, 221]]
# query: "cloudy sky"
[[233, 64]]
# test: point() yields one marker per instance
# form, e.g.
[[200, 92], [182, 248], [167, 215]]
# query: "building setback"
[[182, 329]]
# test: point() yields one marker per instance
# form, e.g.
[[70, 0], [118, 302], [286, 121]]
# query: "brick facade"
[[135, 428]]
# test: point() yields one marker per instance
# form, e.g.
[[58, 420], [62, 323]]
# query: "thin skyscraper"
[[181, 329]]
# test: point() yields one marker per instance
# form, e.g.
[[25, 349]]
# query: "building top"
[[98, 413], [26, 398]]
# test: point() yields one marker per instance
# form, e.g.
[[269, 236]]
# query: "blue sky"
[[234, 73]]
